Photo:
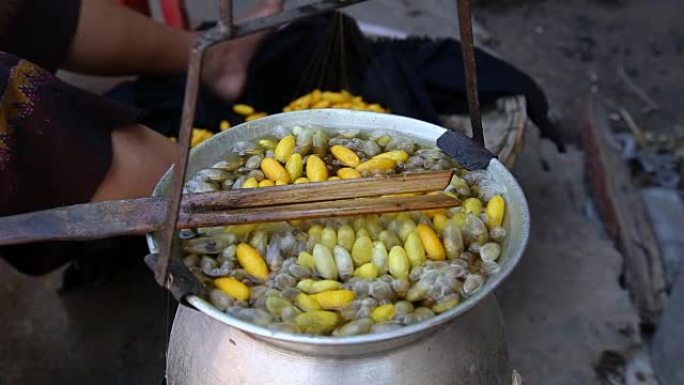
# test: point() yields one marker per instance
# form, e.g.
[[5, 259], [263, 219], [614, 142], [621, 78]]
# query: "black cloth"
[[39, 31], [55, 139], [418, 77]]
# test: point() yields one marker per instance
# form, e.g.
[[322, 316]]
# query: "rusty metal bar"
[[143, 215], [224, 30], [468, 51], [180, 165], [226, 16]]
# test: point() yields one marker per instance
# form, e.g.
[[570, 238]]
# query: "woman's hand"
[[226, 64], [113, 40]]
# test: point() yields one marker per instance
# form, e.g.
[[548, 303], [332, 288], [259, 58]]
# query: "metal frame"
[[223, 31], [226, 30]]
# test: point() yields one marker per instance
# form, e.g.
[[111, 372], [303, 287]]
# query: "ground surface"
[[105, 334], [570, 45], [563, 306]]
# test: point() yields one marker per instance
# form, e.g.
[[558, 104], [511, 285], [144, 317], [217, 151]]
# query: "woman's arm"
[[113, 40], [101, 37]]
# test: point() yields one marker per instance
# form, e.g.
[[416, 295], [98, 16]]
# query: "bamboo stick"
[[326, 209], [316, 200], [318, 192]]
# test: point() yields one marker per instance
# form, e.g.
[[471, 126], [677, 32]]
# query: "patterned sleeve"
[[55, 144], [55, 139], [55, 149], [38, 30]]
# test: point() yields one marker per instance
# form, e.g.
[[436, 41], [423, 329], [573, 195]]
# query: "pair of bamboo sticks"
[[382, 194]]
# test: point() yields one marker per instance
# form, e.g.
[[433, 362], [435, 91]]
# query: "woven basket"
[[504, 127]]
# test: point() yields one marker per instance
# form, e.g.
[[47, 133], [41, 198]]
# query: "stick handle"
[[139, 216], [83, 222]]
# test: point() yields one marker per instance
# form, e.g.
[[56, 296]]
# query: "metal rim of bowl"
[[405, 331]]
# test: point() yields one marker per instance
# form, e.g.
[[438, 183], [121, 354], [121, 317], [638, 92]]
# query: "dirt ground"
[[574, 45], [577, 46]]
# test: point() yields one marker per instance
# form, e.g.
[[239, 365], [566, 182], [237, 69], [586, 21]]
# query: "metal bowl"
[[516, 222]]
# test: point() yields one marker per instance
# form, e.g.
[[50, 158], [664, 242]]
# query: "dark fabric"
[[57, 144], [55, 140], [39, 31], [420, 78], [55, 148]]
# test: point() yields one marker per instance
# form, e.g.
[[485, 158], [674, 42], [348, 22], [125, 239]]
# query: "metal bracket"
[[226, 30], [465, 150], [182, 282], [223, 31]]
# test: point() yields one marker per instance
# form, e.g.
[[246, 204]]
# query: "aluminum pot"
[[465, 345]]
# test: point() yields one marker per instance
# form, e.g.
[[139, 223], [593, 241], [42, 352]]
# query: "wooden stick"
[[623, 212], [114, 218], [636, 131], [650, 104], [318, 192], [84, 222], [139, 216], [327, 209]]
